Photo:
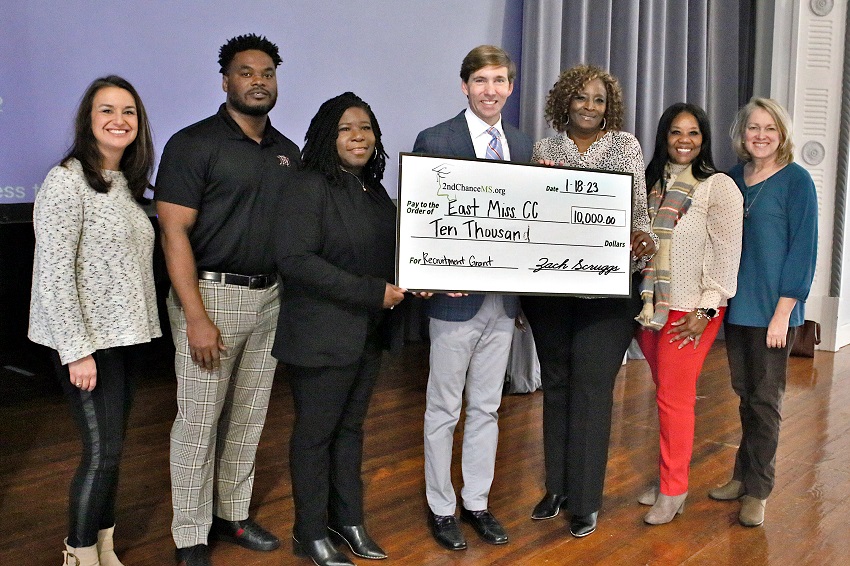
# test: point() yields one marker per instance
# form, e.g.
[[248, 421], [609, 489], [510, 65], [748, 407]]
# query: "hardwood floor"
[[806, 522]]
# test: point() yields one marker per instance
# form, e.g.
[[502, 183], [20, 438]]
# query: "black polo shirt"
[[233, 182]]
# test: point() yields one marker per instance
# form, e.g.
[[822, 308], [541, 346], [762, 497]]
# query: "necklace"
[[758, 192], [362, 184], [580, 152]]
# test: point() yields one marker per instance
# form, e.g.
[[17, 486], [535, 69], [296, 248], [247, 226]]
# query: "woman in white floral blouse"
[[581, 341], [93, 297]]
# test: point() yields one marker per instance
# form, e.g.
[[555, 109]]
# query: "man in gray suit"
[[470, 334]]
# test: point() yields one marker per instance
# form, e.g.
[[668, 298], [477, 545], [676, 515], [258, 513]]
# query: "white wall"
[[806, 76]]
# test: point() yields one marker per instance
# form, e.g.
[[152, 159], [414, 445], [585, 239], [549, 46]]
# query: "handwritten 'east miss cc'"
[[495, 226]]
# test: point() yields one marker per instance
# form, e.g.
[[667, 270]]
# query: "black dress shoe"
[[198, 555], [549, 506], [446, 531], [322, 552], [485, 524], [583, 525], [359, 541], [245, 533]]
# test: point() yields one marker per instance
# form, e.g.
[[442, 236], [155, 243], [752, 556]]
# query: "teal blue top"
[[780, 245]]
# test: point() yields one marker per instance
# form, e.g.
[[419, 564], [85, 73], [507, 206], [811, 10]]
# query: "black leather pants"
[[101, 417]]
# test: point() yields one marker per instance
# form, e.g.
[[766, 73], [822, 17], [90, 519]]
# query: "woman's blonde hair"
[[785, 153]]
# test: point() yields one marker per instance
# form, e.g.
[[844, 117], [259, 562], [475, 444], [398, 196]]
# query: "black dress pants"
[[101, 417], [326, 449], [580, 344]]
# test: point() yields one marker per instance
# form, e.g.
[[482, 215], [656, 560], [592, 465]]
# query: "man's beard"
[[252, 110]]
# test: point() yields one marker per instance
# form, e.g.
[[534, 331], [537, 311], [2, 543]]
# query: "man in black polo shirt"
[[216, 191]]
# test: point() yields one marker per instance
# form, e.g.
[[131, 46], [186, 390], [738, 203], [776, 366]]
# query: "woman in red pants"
[[697, 214]]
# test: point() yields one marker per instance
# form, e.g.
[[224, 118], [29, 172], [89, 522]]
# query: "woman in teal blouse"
[[777, 267]]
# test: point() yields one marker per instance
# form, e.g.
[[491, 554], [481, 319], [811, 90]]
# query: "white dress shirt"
[[480, 138]]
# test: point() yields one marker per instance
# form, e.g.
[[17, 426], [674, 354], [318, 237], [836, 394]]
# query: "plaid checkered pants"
[[220, 414]]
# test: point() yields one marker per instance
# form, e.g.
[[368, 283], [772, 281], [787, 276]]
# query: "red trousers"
[[675, 374]]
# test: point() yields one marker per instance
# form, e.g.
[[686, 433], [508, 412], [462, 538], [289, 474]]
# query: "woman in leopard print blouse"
[[581, 341]]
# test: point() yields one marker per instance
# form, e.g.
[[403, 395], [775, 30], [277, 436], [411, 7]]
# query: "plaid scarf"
[[666, 205]]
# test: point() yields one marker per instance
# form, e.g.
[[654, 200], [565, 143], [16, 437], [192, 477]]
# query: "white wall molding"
[[806, 76]]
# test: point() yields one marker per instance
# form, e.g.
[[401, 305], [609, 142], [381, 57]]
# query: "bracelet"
[[706, 314]]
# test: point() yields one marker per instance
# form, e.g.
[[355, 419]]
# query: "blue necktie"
[[494, 148]]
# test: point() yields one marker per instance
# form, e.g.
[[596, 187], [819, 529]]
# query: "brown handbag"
[[808, 336]]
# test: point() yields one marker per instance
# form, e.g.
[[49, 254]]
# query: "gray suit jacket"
[[452, 139]]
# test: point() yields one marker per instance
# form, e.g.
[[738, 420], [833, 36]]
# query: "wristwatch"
[[706, 314]]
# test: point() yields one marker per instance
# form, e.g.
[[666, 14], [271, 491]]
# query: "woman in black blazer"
[[336, 254]]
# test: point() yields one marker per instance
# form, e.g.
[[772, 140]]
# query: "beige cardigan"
[[92, 281]]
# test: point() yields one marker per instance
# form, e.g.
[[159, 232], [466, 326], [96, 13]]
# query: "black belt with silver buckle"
[[250, 281]]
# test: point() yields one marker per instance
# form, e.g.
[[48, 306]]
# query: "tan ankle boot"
[[86, 556], [752, 511], [733, 489], [106, 548], [666, 507], [649, 496], [68, 558]]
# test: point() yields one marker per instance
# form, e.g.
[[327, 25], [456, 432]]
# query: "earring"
[[567, 123], [604, 123]]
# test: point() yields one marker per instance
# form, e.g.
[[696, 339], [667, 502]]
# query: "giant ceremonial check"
[[475, 225]]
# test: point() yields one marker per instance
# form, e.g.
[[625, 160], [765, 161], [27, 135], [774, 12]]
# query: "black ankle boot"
[[359, 541], [321, 551], [549, 506]]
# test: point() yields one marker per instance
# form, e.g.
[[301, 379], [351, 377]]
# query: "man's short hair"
[[244, 43], [486, 56]]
